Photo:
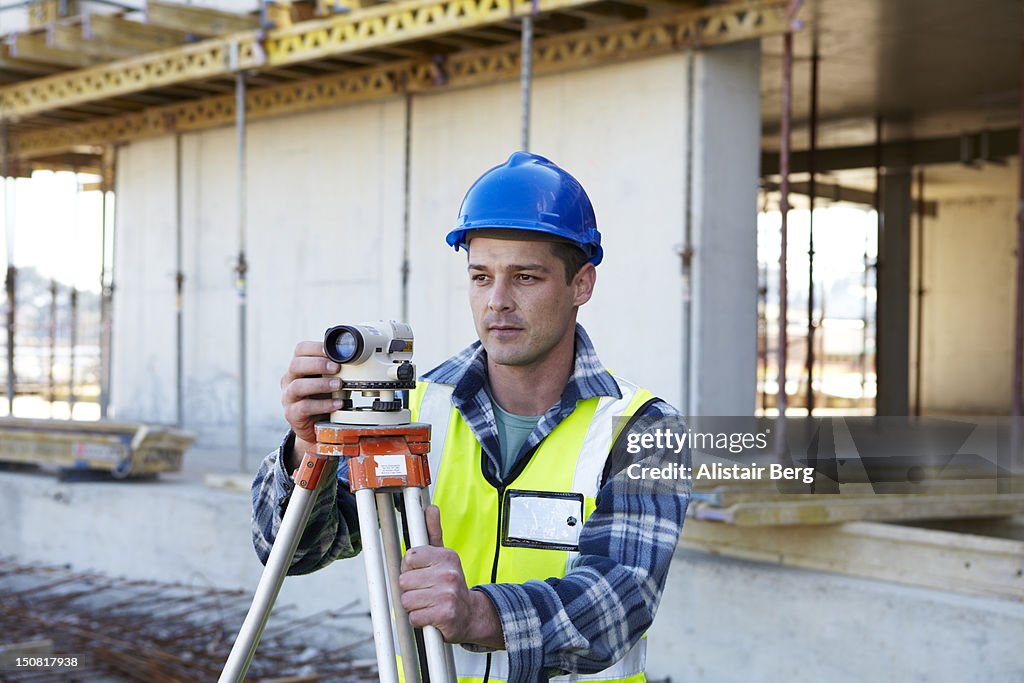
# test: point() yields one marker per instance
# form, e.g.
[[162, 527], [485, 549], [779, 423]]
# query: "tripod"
[[382, 460]]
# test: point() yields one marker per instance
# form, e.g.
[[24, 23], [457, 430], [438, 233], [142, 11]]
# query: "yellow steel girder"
[[306, 41], [591, 47]]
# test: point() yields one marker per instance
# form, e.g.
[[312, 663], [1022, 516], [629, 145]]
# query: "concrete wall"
[[324, 233], [969, 267], [720, 620]]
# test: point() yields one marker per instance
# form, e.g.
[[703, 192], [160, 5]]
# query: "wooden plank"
[[24, 67], [143, 37], [43, 12], [71, 37], [727, 495], [199, 21], [119, 447], [822, 509], [943, 560], [34, 47]]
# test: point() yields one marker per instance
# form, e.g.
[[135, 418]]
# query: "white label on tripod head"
[[390, 465]]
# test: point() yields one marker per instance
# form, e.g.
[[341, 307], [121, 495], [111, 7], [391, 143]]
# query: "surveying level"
[[386, 455]]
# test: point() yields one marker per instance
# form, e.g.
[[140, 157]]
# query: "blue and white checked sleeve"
[[333, 528]]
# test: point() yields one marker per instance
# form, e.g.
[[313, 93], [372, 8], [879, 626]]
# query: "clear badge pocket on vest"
[[542, 519]]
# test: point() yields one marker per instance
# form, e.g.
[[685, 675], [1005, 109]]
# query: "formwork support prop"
[[406, 204], [106, 278], [52, 358], [784, 152], [179, 286], [241, 270], [12, 273], [812, 191], [526, 76], [1018, 327], [72, 342], [919, 309], [686, 250]]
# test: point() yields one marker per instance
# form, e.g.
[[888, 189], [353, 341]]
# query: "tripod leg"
[[376, 581], [449, 654], [294, 522], [437, 663], [393, 555]]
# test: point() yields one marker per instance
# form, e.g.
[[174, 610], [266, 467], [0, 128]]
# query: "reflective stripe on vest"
[[570, 459]]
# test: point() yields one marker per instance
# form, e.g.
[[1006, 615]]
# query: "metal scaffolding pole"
[[406, 215], [526, 76], [787, 102], [52, 384], [72, 341], [919, 313], [11, 278], [1017, 408], [105, 184], [686, 253], [241, 270], [110, 238], [179, 286], [812, 195], [878, 257]]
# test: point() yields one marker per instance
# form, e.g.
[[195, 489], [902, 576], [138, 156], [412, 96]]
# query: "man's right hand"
[[306, 396]]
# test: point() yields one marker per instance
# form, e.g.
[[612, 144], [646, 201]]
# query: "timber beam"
[[198, 21], [826, 509], [970, 149], [36, 47], [142, 37], [839, 193], [593, 47], [72, 38]]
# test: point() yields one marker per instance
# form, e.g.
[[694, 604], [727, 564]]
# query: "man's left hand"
[[434, 593]]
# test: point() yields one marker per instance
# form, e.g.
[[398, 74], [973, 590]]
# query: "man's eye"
[[479, 277], [523, 277]]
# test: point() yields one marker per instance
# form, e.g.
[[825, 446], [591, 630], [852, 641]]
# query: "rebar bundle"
[[127, 630]]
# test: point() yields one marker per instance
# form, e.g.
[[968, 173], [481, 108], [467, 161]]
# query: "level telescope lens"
[[343, 344]]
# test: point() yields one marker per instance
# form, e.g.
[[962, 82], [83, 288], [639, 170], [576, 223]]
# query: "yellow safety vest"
[[570, 459]]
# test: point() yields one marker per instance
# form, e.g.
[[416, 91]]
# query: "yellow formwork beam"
[[364, 29], [592, 47]]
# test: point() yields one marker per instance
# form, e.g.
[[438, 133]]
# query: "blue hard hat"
[[529, 192]]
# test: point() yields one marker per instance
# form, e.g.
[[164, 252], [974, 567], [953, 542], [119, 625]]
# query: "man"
[[528, 408]]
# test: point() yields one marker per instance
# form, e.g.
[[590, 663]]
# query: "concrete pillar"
[[726, 138], [893, 321]]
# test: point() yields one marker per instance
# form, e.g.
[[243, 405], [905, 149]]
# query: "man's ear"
[[583, 284]]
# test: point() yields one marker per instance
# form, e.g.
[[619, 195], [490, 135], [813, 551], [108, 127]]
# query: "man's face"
[[522, 306]]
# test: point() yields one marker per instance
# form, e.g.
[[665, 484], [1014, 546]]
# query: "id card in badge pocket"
[[542, 519]]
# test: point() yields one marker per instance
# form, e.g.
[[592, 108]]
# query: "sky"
[[52, 226]]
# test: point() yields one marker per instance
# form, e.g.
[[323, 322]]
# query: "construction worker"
[[528, 408]]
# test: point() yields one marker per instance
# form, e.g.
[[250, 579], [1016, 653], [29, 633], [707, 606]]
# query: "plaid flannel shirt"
[[583, 622]]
